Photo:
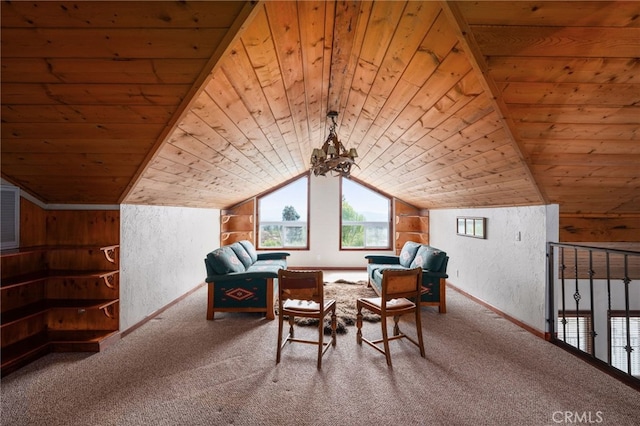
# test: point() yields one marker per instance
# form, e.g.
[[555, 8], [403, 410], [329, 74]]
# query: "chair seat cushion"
[[392, 304], [304, 305]]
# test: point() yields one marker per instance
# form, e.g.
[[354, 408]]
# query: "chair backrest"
[[301, 285], [398, 283]]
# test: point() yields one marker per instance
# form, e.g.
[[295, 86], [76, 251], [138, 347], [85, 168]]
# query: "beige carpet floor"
[[180, 369]]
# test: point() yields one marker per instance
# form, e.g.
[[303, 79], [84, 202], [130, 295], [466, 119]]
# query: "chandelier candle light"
[[333, 156]]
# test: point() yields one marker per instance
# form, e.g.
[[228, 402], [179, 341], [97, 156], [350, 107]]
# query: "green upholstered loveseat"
[[434, 271], [241, 280]]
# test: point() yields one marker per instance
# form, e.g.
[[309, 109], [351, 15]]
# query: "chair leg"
[[385, 340], [280, 325], [291, 322], [442, 307], [396, 327], [320, 341], [359, 323], [334, 325], [419, 331]]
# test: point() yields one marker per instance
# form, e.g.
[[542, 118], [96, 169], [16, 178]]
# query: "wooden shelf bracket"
[[109, 311], [109, 253], [109, 280]]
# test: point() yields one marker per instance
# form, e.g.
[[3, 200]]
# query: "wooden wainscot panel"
[[602, 228], [83, 227], [33, 229]]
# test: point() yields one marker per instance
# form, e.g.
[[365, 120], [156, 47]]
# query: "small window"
[[10, 216], [366, 218], [283, 216]]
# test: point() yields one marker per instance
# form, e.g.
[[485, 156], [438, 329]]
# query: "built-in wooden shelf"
[[411, 224], [237, 223], [57, 298]]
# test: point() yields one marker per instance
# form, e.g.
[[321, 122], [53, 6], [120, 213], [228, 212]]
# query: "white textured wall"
[[507, 274], [324, 238], [162, 251]]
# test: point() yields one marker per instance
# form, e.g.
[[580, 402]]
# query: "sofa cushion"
[[429, 258], [268, 266], [408, 252], [376, 270], [251, 250], [224, 261], [242, 254]]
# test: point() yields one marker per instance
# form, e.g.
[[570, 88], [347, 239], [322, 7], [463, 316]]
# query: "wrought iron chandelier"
[[333, 156]]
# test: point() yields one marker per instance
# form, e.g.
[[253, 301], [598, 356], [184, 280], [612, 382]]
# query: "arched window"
[[365, 218], [283, 216]]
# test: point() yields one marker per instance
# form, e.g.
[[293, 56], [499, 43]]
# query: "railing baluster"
[[551, 320], [577, 297], [626, 281], [564, 309], [609, 336], [593, 333]]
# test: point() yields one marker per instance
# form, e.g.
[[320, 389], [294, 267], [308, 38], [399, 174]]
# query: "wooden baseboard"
[[508, 317], [161, 310]]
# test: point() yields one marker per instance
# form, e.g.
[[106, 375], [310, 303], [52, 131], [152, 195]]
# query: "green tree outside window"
[[352, 235]]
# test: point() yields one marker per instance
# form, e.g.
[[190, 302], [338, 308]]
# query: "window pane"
[[353, 236], [283, 216], [619, 344], [270, 236], [577, 331], [295, 236], [365, 217], [377, 235]]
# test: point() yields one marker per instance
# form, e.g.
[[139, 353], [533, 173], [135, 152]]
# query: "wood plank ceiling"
[[205, 104]]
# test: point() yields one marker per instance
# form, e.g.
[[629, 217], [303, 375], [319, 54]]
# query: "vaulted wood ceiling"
[[205, 104]]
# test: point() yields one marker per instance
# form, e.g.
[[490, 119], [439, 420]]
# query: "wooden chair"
[[301, 294], [398, 287]]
